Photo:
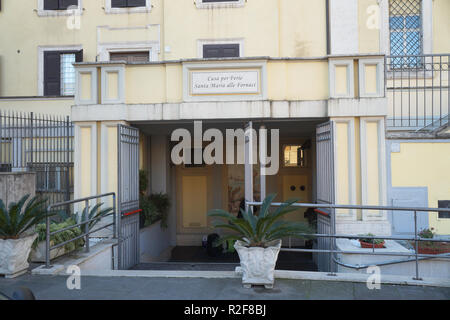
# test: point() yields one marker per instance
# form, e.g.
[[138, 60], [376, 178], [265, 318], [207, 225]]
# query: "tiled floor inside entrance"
[[197, 258]]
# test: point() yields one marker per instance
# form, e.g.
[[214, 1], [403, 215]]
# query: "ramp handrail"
[[86, 200], [334, 236]]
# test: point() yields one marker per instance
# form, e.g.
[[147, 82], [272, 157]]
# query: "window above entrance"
[[296, 155]]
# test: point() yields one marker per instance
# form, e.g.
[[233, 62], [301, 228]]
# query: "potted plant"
[[431, 247], [161, 202], [371, 243], [39, 245], [258, 238], [17, 234]]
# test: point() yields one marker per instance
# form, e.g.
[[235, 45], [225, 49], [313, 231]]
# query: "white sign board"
[[225, 82]]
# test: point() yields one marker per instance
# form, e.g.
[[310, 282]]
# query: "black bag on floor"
[[211, 249]]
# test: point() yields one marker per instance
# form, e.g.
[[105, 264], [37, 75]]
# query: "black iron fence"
[[418, 91], [41, 144]]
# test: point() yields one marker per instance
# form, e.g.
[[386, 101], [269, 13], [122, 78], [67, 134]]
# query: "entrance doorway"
[[196, 189]]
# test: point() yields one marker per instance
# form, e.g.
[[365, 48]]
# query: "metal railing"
[[85, 223], [42, 144], [418, 91], [333, 236]]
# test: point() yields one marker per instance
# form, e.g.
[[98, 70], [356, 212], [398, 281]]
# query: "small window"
[[59, 72], [221, 50], [207, 1], [128, 3], [444, 204], [129, 57], [295, 156], [59, 4]]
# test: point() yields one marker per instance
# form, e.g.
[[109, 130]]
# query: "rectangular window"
[[221, 50], [59, 4], [59, 72], [129, 57], [67, 74], [405, 27], [444, 204], [127, 3], [296, 155]]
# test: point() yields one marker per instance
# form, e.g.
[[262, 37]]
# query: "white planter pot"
[[258, 264], [14, 255]]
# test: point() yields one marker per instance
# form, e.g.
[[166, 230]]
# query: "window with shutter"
[[59, 4], [221, 50], [205, 1], [127, 3], [141, 56], [444, 204], [52, 73], [59, 73]]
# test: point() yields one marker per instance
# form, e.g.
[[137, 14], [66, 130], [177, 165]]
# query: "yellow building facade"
[[377, 70]]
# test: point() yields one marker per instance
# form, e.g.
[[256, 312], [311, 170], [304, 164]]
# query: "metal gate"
[[128, 196], [325, 193]]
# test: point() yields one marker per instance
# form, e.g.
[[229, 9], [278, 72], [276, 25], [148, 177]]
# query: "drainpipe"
[[327, 18]]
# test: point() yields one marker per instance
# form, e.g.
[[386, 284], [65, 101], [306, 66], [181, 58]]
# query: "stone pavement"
[[138, 288]]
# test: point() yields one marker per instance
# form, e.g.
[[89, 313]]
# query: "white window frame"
[[41, 50], [104, 50], [427, 27], [223, 4], [202, 42], [110, 10], [58, 13]]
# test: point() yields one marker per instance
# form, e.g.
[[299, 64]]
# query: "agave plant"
[[19, 217], [259, 230], [94, 213]]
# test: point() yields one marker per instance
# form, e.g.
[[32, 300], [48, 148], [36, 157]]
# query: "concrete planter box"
[[154, 243], [258, 264], [430, 268], [38, 253], [14, 255]]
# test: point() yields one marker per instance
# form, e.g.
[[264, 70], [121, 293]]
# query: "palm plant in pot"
[[258, 238], [17, 234]]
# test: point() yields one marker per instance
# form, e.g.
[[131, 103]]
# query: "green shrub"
[[149, 210], [259, 230], [86, 214], [162, 203], [427, 233], [143, 182], [369, 240], [62, 236], [19, 218]]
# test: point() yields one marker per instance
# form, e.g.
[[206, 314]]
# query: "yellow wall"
[[415, 167], [159, 83], [58, 107], [372, 158], [27, 31], [441, 26], [85, 162], [267, 28], [368, 18]]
